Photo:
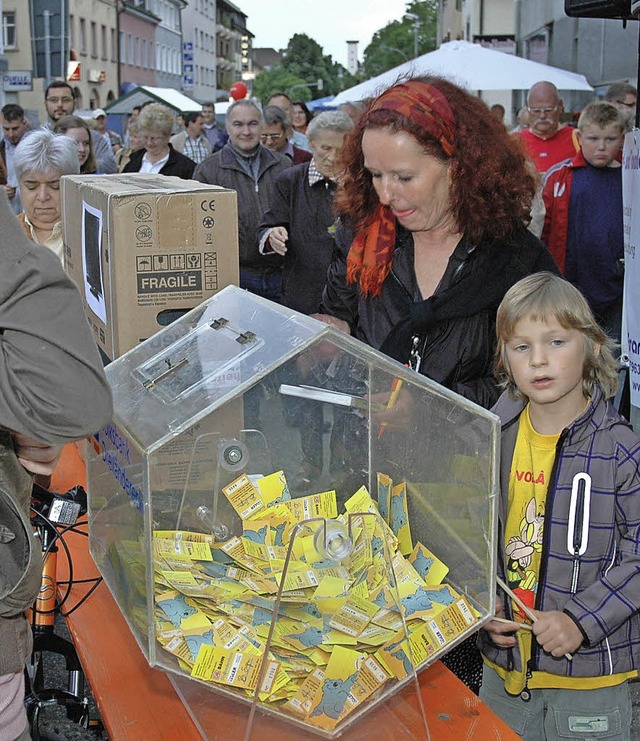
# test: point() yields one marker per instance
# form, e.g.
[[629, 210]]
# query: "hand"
[[557, 633], [334, 322], [278, 237], [498, 631], [395, 417], [10, 190], [36, 457]]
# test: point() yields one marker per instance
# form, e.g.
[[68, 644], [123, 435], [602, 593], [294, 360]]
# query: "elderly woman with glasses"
[[40, 160], [158, 156]]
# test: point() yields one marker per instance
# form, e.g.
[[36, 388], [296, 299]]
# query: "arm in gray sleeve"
[[103, 152], [52, 384]]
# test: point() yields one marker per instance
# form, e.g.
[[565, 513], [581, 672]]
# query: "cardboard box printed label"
[[144, 249]]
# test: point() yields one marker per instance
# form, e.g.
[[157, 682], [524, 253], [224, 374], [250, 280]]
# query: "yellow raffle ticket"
[[244, 497], [233, 668]]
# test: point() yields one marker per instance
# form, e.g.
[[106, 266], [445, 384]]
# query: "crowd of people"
[[408, 221]]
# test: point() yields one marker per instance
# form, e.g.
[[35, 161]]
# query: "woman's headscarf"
[[371, 253]]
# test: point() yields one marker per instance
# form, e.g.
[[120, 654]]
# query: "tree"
[[395, 43], [302, 66], [277, 80]]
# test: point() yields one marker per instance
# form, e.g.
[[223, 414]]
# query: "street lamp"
[[416, 25], [393, 48]]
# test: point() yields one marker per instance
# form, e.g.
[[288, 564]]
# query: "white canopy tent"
[[471, 66], [174, 99]]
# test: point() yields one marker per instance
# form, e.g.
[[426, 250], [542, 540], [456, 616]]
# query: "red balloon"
[[238, 90]]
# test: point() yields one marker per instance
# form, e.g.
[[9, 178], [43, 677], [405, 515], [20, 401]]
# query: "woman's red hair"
[[492, 186]]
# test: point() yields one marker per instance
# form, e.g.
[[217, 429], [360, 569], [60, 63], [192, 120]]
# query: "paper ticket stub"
[[244, 497], [314, 505], [233, 668]]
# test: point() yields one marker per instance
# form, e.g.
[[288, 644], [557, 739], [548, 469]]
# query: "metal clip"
[[245, 337], [219, 323]]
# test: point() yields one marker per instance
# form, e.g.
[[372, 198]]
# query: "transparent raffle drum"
[[291, 521]]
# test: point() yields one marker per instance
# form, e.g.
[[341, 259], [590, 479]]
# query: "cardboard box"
[[143, 249]]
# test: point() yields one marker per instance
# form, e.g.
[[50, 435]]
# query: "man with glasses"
[[546, 140], [250, 169], [60, 101], [276, 134], [623, 96]]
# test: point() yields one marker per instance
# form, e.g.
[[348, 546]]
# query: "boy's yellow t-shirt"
[[533, 458]]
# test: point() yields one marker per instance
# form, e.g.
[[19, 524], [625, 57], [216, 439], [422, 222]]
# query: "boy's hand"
[[557, 633], [501, 633]]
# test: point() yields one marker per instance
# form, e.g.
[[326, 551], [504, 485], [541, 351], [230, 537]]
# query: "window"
[[123, 48], [137, 51], [143, 57], [103, 34], [114, 48], [9, 29], [72, 31], [94, 40], [83, 36]]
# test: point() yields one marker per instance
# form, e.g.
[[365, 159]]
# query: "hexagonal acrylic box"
[[292, 524]]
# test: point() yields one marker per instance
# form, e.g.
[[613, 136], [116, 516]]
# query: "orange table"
[[138, 703]]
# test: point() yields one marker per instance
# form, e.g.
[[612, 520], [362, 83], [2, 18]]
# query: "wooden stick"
[[523, 607], [524, 626]]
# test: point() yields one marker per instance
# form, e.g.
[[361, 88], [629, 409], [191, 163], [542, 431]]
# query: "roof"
[[174, 99]]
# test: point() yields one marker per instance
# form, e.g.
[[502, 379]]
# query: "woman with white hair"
[[158, 156], [40, 160]]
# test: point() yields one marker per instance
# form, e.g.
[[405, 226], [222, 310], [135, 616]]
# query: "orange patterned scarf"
[[371, 253]]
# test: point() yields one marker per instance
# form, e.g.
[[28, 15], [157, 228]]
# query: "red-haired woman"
[[437, 195]]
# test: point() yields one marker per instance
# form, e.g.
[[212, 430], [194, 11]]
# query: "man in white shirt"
[[191, 141]]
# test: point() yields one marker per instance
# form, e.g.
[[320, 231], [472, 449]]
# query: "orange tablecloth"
[[138, 703]]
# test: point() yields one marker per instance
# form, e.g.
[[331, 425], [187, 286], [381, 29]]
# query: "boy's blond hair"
[[544, 295], [601, 114]]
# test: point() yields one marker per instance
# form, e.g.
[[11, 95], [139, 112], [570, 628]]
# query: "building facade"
[[602, 50], [137, 40], [83, 45], [199, 37], [168, 69]]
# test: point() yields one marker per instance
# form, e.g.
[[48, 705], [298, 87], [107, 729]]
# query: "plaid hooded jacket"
[[590, 566]]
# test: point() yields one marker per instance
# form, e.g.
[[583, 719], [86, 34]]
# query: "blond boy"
[[570, 524]]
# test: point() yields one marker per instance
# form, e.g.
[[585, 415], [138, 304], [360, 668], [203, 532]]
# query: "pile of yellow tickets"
[[342, 629]]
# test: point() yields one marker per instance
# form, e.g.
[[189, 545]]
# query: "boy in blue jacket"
[[570, 524]]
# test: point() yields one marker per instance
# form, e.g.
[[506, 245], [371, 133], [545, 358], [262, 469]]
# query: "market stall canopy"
[[473, 67], [174, 99]]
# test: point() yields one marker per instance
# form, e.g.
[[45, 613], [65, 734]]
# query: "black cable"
[[84, 599]]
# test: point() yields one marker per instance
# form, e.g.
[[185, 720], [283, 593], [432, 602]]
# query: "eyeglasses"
[[152, 139], [271, 137], [625, 104], [64, 101], [541, 111]]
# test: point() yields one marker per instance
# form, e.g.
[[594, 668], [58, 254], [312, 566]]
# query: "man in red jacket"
[[546, 140]]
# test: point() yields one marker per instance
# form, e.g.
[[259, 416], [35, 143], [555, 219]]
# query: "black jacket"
[[458, 353], [307, 213], [177, 164]]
